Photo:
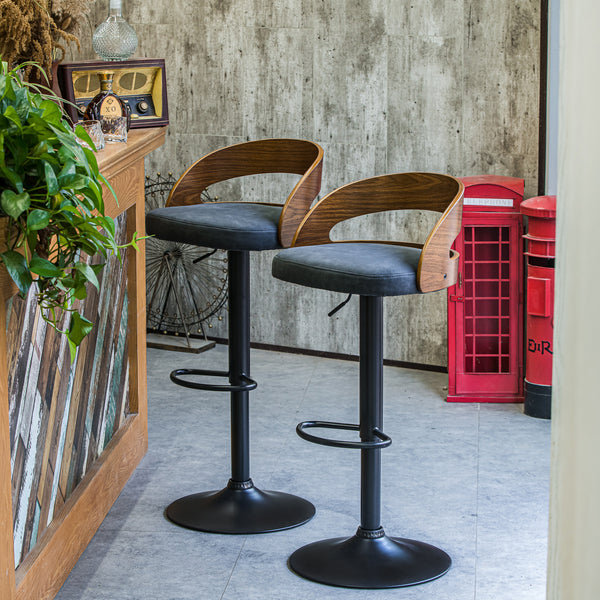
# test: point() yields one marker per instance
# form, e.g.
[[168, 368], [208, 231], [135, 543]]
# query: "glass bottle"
[[107, 107], [114, 39]]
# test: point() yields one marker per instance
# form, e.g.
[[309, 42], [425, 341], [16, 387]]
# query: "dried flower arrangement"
[[40, 30]]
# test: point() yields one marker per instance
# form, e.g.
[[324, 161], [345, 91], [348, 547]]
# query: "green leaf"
[[88, 273], [32, 240], [108, 224], [80, 292], [38, 219], [72, 349], [68, 168], [52, 112], [19, 149], [70, 145], [42, 149], [44, 268], [22, 104], [14, 204], [51, 180], [13, 116], [95, 191], [17, 268], [110, 188], [93, 162], [78, 328], [73, 181], [13, 177], [83, 135]]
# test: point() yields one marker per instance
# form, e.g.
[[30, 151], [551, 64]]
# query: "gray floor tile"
[[469, 478]]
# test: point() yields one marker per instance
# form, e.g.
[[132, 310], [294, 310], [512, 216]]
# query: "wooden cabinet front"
[[73, 433]]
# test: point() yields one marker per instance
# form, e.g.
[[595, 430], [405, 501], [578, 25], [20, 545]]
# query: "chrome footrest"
[[249, 384], [383, 441]]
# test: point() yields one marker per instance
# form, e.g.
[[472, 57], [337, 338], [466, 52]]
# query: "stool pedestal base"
[[368, 562], [240, 508]]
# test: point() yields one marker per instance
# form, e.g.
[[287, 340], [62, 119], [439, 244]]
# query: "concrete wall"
[[384, 85]]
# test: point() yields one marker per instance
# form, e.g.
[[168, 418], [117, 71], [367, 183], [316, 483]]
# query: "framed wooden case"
[[140, 83]]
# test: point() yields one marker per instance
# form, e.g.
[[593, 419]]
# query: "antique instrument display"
[[186, 285], [140, 83]]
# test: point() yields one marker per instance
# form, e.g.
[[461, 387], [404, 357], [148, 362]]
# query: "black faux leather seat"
[[372, 270], [238, 227], [352, 268], [223, 225]]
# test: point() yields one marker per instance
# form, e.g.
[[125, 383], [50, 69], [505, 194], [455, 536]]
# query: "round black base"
[[370, 563], [538, 400], [241, 509]]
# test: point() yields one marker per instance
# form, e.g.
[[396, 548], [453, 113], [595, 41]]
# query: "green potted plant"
[[51, 198]]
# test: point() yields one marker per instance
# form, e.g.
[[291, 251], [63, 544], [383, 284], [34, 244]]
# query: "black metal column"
[[239, 362], [240, 507], [371, 408]]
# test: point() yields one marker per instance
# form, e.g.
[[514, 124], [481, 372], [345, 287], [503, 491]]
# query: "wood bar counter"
[[72, 507]]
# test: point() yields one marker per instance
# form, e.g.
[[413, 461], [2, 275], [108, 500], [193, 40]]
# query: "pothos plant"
[[52, 196]]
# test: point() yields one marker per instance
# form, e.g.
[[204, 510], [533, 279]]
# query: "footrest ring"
[[249, 384], [383, 442]]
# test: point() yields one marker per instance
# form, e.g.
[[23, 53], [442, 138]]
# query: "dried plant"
[[40, 30], [69, 17]]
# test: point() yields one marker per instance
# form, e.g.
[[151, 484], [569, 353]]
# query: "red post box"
[[540, 238], [485, 307]]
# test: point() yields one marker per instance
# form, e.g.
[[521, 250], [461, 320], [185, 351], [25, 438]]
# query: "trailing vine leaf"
[[78, 329], [18, 269], [88, 273], [38, 219], [51, 179], [14, 205], [44, 268]]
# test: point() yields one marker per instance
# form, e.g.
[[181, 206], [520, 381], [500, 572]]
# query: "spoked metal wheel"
[[185, 285]]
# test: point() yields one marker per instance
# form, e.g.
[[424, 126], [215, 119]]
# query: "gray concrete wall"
[[384, 85]]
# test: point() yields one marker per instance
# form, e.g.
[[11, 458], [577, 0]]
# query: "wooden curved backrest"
[[302, 157], [438, 265]]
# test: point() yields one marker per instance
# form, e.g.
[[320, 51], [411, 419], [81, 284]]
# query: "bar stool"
[[238, 227], [372, 270]]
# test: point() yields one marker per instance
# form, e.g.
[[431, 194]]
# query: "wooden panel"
[[75, 521], [46, 567], [7, 564], [64, 414]]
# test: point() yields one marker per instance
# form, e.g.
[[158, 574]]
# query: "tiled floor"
[[469, 478]]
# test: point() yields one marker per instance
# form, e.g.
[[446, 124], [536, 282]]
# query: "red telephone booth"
[[485, 307]]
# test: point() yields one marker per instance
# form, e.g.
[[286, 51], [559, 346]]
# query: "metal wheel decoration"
[[185, 285]]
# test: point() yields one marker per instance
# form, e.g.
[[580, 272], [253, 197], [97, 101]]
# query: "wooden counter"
[[45, 567]]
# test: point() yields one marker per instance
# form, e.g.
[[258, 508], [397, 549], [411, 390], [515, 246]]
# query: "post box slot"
[[539, 296]]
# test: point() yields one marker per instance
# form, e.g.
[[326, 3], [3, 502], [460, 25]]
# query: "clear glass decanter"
[[114, 39]]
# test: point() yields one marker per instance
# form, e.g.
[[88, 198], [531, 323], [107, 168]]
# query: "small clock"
[[140, 83]]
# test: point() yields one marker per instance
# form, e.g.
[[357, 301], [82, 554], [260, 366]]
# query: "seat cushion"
[[367, 269], [223, 225]]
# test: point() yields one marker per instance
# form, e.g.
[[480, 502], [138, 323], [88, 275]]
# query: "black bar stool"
[[372, 270], [239, 228]]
